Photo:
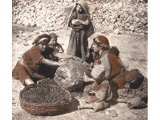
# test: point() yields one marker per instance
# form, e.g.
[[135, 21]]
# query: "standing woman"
[[82, 28]]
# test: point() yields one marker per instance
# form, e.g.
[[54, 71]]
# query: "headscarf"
[[41, 37], [53, 35], [102, 41], [85, 7]]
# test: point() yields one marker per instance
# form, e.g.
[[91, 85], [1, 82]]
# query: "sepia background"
[[124, 22]]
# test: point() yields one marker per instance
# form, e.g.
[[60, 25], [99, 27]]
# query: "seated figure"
[[111, 73], [37, 63], [54, 44]]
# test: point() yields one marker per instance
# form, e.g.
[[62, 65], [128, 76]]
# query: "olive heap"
[[45, 94]]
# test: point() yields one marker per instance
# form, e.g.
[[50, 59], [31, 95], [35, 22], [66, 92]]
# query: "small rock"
[[111, 113], [116, 31], [132, 28], [136, 103], [17, 35], [26, 44]]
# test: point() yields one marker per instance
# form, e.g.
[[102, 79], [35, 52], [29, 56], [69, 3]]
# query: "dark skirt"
[[78, 44]]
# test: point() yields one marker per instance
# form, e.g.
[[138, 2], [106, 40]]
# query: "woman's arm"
[[61, 55], [84, 22], [80, 22], [50, 62], [87, 79]]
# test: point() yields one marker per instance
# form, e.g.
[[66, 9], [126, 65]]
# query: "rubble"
[[127, 16]]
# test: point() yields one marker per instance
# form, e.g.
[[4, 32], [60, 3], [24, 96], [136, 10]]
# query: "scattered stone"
[[26, 44], [136, 103], [116, 31], [112, 113], [55, 14]]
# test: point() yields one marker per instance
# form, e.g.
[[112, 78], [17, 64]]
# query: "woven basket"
[[48, 109]]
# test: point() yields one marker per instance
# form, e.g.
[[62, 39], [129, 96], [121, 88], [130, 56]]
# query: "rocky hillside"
[[109, 16]]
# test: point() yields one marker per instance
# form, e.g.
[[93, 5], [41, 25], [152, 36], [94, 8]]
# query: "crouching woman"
[[106, 66], [37, 63]]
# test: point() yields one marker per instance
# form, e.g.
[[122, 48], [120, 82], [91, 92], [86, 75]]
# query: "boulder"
[[70, 75]]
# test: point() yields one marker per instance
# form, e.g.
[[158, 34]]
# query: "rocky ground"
[[114, 16], [133, 52], [124, 23]]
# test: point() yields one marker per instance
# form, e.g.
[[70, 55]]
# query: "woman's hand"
[[62, 56], [28, 82], [76, 22], [87, 79]]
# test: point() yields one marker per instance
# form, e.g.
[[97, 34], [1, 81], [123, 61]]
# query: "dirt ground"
[[133, 52]]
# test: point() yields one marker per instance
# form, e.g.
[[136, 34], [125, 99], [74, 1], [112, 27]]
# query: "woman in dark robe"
[[82, 28]]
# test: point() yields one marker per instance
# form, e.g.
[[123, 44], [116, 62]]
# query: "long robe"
[[78, 43]]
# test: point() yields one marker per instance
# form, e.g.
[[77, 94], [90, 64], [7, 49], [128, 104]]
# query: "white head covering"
[[84, 5]]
